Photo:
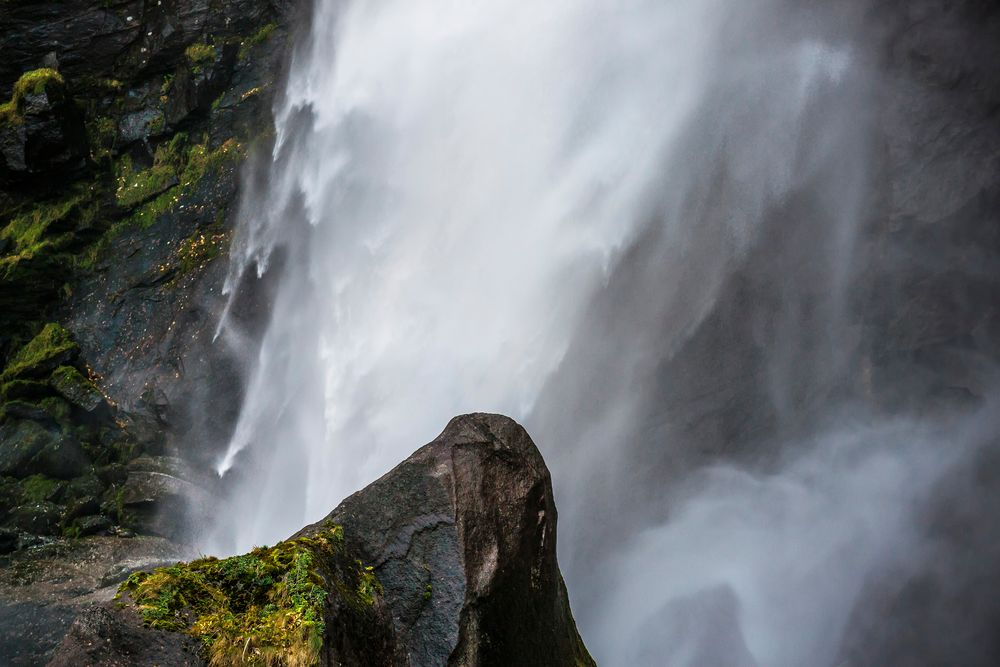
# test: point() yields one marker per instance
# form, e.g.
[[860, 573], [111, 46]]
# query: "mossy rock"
[[51, 348], [40, 488], [38, 518], [78, 390], [36, 82], [298, 603], [29, 448], [24, 390]]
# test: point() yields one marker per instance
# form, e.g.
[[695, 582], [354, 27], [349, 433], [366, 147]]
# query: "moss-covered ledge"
[[34, 82], [289, 604]]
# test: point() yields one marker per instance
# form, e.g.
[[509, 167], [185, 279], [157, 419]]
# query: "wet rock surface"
[[44, 587], [120, 148], [462, 536]]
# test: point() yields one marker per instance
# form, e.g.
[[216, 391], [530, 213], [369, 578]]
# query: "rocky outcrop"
[[450, 558], [120, 146]]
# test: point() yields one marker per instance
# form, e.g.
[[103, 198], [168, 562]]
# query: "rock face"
[[122, 129], [450, 558]]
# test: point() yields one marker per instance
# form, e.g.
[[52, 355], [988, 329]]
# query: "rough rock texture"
[[107, 635], [45, 586], [120, 149], [122, 129], [461, 538]]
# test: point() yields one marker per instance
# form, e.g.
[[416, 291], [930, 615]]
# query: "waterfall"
[[579, 213]]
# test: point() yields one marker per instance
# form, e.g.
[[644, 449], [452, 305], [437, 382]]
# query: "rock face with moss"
[[122, 129], [449, 559]]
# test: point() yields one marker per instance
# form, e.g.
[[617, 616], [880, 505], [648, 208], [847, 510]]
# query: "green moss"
[[45, 350], [75, 387], [261, 608], [200, 248], [38, 488], [137, 186], [368, 584], [26, 231], [261, 36], [199, 55], [102, 131], [34, 82], [44, 238], [23, 389]]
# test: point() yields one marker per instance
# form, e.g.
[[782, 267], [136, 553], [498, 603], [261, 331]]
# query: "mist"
[[644, 229]]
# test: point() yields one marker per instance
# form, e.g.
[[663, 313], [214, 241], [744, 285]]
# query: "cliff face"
[[450, 558], [119, 151]]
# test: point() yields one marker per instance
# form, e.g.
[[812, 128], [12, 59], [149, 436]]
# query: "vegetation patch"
[[201, 247], [199, 55], [34, 82], [262, 608], [48, 349], [135, 187], [259, 37], [38, 488]]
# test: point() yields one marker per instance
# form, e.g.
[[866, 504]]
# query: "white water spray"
[[454, 183]]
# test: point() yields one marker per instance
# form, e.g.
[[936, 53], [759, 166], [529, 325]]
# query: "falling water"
[[491, 206]]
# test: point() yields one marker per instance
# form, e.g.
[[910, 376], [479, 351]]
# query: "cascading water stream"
[[459, 191]]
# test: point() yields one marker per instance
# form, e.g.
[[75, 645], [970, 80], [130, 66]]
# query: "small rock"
[[79, 391], [92, 525], [41, 518]]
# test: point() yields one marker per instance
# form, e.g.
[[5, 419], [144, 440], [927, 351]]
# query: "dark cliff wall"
[[120, 153]]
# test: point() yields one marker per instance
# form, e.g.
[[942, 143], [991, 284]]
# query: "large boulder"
[[449, 559], [462, 536]]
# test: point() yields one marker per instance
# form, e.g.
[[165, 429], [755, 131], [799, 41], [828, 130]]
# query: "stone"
[[92, 525], [8, 540], [462, 536], [79, 391], [107, 635], [44, 130], [27, 448], [38, 518], [450, 558], [160, 494]]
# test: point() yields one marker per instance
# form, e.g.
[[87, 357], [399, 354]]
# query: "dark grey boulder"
[[462, 539], [38, 518], [462, 536], [79, 391], [27, 448], [48, 134]]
